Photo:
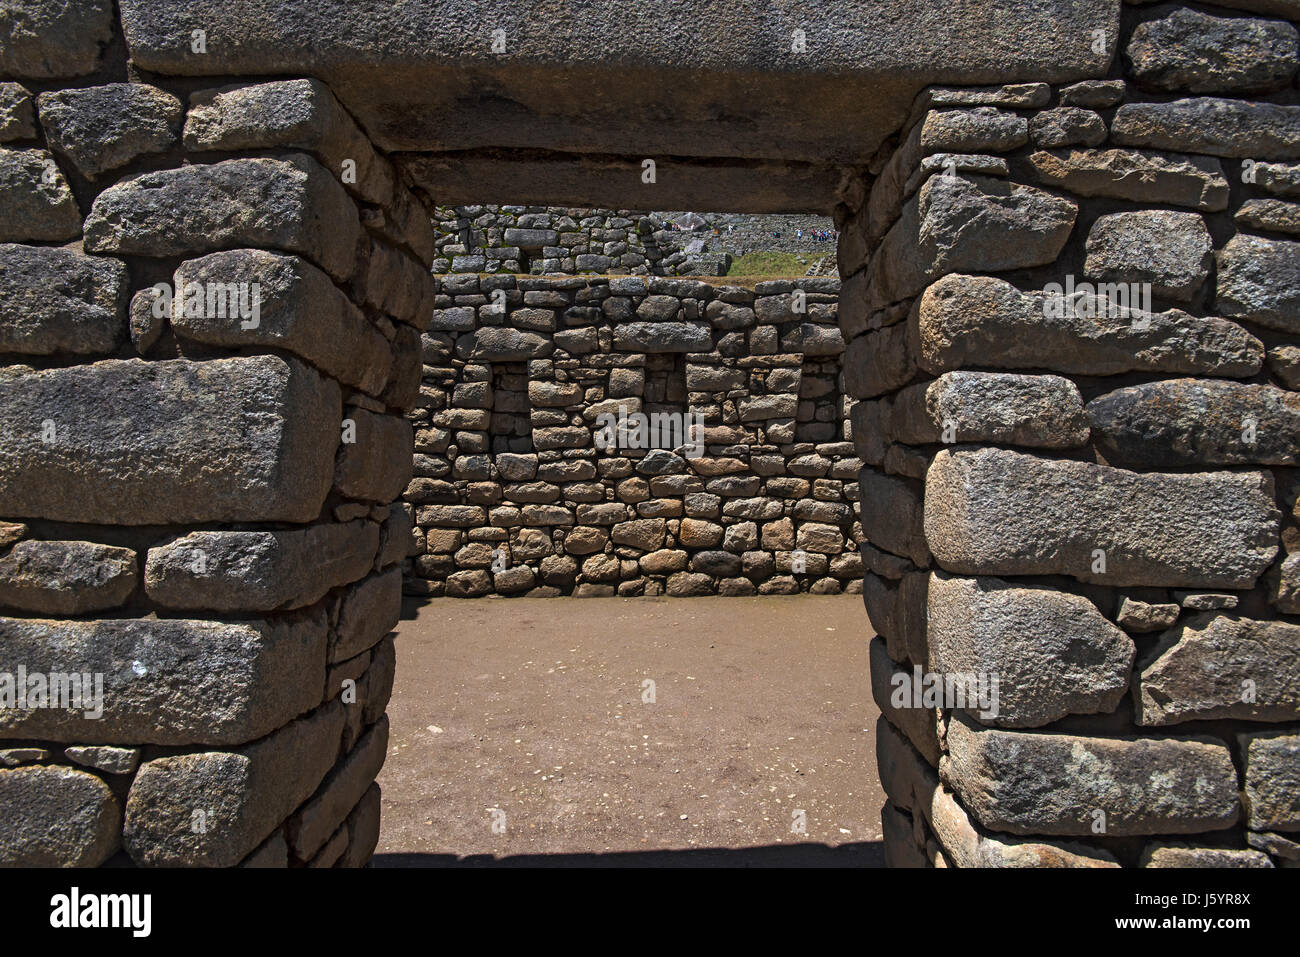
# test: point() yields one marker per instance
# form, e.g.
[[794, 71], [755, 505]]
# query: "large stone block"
[[339, 793], [289, 203], [368, 611], [984, 321], [1030, 410], [998, 512], [101, 128], [1261, 131], [56, 300], [663, 337], [893, 515], [1259, 281], [1192, 52], [234, 571], [376, 466], [238, 797], [1272, 792], [168, 681], [1038, 783], [146, 443], [1135, 175], [289, 304], [1051, 653], [66, 578], [36, 203], [503, 344], [1220, 666], [46, 39], [1169, 250], [1197, 422], [57, 817]]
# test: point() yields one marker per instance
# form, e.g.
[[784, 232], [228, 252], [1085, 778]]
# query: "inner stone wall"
[[1095, 504], [514, 494], [196, 535]]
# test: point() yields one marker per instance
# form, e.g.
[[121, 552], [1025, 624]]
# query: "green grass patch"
[[771, 264]]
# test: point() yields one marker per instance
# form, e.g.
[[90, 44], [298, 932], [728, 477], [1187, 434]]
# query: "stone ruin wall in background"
[[512, 494]]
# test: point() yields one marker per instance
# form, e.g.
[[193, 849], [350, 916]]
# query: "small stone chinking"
[[210, 329], [517, 491], [1070, 321]]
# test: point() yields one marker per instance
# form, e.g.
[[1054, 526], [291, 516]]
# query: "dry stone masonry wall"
[[1071, 323], [744, 481], [199, 551]]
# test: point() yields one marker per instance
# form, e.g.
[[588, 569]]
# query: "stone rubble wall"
[[513, 496], [180, 511], [1100, 509]]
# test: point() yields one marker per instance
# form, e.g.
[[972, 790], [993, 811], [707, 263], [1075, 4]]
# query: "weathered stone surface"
[[45, 39], [57, 817], [1220, 666], [339, 793], [290, 305], [234, 571], [1259, 281], [377, 465], [56, 300], [1140, 616], [502, 344], [1197, 422], [1136, 175], [1170, 250], [1192, 52], [368, 611], [1286, 597], [36, 203], [663, 337], [1186, 855], [1052, 653], [892, 516], [1045, 411], [1212, 126], [984, 321], [170, 681], [1271, 215], [290, 203], [66, 578], [889, 689], [879, 362], [1067, 126], [1039, 783], [245, 794], [142, 443], [1093, 94], [289, 114], [101, 128], [998, 512], [982, 129], [17, 113], [1272, 792]]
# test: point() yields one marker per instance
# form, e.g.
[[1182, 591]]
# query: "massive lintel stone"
[[407, 71], [290, 203], [167, 681], [297, 307], [144, 443], [1212, 126], [57, 817], [1052, 653], [984, 321], [233, 571], [1220, 666], [244, 794], [1039, 783], [998, 512], [56, 300], [1197, 422]]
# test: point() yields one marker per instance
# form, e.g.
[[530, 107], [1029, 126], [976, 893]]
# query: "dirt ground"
[[520, 734]]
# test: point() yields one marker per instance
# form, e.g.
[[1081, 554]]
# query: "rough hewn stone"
[[1169, 250], [1136, 175], [1192, 52], [1259, 281], [36, 203], [1212, 126], [1272, 792], [55, 300], [101, 128], [57, 817], [66, 578], [47, 39]]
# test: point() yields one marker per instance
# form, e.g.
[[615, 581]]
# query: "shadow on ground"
[[865, 854]]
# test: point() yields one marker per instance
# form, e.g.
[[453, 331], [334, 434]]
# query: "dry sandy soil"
[[520, 734]]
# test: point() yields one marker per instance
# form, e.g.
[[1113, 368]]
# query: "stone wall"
[[516, 491], [195, 492], [1097, 504]]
